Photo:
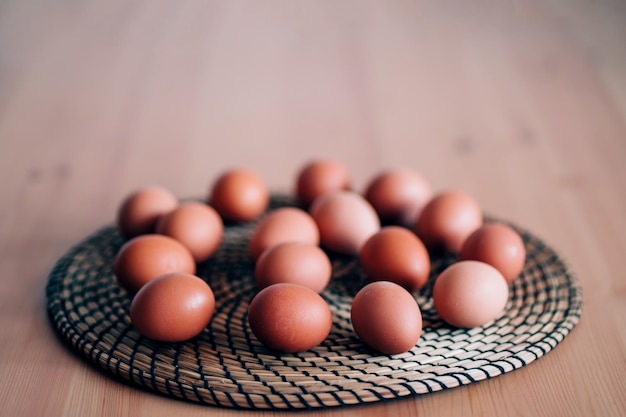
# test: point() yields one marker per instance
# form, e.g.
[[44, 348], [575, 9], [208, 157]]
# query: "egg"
[[498, 245], [285, 224], [396, 254], [399, 195], [469, 294], [140, 211], [386, 317], [239, 195], [345, 220], [197, 226], [295, 262], [173, 307], [447, 220], [320, 177], [145, 257], [289, 318]]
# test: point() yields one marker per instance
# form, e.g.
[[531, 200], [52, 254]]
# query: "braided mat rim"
[[226, 366]]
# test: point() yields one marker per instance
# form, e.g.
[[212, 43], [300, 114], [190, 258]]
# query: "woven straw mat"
[[227, 366]]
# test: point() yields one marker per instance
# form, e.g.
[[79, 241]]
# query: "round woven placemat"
[[226, 366]]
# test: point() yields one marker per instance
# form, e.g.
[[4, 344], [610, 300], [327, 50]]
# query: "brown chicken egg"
[[173, 307], [140, 211], [321, 177], [469, 294], [195, 225], [448, 219], [396, 254], [399, 195], [285, 224], [239, 195], [145, 257], [295, 262], [386, 317], [289, 317], [498, 245], [345, 220]]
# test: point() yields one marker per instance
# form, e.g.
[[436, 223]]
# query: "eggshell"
[[345, 220], [470, 293], [320, 177], [172, 307], [196, 225], [140, 211], [448, 219], [286, 224], [145, 257], [396, 254], [239, 195], [498, 245], [295, 262], [289, 317], [386, 317], [399, 195]]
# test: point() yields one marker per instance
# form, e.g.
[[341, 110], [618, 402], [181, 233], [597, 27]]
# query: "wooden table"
[[522, 104]]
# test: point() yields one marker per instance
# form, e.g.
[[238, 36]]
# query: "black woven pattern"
[[227, 366]]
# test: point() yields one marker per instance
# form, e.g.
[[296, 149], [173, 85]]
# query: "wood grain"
[[522, 104]]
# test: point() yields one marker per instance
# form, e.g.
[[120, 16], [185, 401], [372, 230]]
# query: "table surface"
[[521, 104]]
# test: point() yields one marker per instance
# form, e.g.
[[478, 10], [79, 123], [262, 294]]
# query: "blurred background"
[[522, 104], [99, 98]]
